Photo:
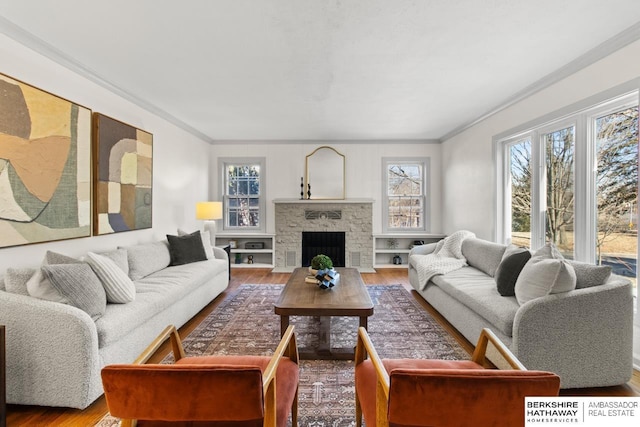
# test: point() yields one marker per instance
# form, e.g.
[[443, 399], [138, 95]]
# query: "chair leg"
[[294, 410], [358, 412]]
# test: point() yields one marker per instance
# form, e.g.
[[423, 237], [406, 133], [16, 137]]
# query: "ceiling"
[[321, 69]]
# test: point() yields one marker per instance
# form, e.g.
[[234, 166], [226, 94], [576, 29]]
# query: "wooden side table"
[[3, 380]]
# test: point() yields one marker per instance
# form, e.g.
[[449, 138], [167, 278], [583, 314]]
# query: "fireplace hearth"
[[329, 243]]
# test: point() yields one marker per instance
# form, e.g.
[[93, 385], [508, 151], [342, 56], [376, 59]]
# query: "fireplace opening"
[[330, 243]]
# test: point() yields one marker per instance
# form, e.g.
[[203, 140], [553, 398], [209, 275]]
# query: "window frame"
[[223, 163], [582, 116], [425, 163]]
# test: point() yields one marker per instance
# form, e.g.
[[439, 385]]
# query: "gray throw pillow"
[[39, 286], [186, 249], [509, 269], [147, 258], [119, 256], [547, 272], [15, 280], [588, 275], [80, 286]]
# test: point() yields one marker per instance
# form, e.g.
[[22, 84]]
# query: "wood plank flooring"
[[18, 415]]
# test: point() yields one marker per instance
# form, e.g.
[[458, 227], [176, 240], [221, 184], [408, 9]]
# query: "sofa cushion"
[[483, 255], [15, 280], [186, 249], [79, 285], [155, 293], [547, 272], [147, 258], [119, 256], [588, 275], [117, 285], [477, 291], [507, 273]]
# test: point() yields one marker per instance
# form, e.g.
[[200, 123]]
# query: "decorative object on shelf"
[[254, 245], [326, 278], [397, 260], [308, 191], [238, 259], [301, 187], [209, 212], [319, 262], [392, 243], [233, 244], [249, 259], [123, 176], [45, 166]]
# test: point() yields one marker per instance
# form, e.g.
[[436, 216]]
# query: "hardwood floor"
[[18, 415]]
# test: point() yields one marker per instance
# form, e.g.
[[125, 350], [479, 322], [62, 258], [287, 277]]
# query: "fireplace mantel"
[[317, 201]]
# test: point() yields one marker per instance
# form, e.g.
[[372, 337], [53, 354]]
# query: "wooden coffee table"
[[348, 298]]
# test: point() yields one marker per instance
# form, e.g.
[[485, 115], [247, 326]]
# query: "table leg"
[[284, 324], [364, 321], [324, 338]]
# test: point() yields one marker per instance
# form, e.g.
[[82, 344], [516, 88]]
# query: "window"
[[243, 194], [574, 182], [405, 203]]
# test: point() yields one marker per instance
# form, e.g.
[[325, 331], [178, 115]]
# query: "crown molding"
[[38, 45], [599, 52]]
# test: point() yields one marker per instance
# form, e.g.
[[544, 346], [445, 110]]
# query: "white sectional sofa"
[[584, 335], [55, 351]]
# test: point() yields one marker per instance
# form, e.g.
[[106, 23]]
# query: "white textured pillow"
[[206, 241], [545, 273], [147, 258], [117, 285]]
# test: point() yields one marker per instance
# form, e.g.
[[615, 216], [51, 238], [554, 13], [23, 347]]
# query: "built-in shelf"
[[384, 250], [261, 257]]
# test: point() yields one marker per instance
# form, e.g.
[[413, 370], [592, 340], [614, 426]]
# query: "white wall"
[[467, 158], [180, 163], [363, 164]]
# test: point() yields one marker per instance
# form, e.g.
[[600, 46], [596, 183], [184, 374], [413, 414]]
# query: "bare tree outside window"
[[243, 196], [520, 176], [405, 195]]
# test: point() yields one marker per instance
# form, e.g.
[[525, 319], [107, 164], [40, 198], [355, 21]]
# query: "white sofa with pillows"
[[571, 318], [69, 318]]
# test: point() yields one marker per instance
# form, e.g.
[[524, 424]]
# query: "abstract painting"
[[123, 176], [45, 166]]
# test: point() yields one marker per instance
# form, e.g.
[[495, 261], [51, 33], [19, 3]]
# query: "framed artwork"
[[45, 166], [123, 176]]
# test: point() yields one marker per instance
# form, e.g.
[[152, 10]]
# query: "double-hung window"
[[405, 203], [243, 193]]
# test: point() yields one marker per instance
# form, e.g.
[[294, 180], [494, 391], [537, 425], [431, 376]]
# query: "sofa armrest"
[[587, 329], [423, 249], [220, 253], [52, 353]]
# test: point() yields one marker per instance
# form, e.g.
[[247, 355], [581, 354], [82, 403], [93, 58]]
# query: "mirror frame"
[[331, 192]]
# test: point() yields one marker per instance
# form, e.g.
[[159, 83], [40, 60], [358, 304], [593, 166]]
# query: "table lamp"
[[209, 212]]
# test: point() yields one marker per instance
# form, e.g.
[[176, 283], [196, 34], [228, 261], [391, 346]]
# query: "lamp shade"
[[208, 210]]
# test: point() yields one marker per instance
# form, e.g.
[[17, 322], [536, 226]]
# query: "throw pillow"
[[186, 249], [147, 258], [15, 280], [79, 285], [483, 255], [39, 286], [206, 241], [117, 285], [547, 272], [119, 256], [588, 275], [509, 269]]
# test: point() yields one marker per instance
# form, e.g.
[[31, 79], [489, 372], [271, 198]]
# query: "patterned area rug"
[[245, 323]]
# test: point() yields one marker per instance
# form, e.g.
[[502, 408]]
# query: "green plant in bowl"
[[321, 262]]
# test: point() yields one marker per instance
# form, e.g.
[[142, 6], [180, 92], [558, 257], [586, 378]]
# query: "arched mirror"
[[325, 173]]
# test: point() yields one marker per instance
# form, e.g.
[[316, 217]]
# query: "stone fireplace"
[[354, 217]]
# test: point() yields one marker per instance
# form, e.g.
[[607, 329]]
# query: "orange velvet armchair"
[[205, 390], [414, 392]]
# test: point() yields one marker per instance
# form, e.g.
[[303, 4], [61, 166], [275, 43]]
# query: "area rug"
[[245, 323]]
